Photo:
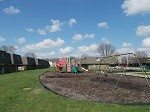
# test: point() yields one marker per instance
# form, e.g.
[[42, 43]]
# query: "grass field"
[[22, 92]]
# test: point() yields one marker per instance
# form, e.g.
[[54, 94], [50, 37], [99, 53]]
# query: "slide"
[[84, 69], [75, 70]]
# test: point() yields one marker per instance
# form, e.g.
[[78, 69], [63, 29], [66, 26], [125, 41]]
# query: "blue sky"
[[60, 28]]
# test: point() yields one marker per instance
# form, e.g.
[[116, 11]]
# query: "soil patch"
[[129, 89]]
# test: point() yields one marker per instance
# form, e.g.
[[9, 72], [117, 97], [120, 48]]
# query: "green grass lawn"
[[22, 92]]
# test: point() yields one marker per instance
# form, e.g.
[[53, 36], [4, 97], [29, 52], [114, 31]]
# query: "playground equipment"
[[75, 70], [115, 64], [70, 65], [60, 63], [86, 70]]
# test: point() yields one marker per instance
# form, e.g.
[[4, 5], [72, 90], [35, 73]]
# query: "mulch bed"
[[130, 89]]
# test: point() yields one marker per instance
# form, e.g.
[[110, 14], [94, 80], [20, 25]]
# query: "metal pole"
[[143, 71], [100, 65], [123, 71], [109, 69], [117, 55]]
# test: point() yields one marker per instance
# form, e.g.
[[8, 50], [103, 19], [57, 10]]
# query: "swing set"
[[116, 66]]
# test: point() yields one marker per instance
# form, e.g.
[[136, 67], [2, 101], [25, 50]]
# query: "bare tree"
[[84, 56], [142, 56], [4, 48], [124, 59], [11, 49], [31, 55], [105, 49], [8, 49]]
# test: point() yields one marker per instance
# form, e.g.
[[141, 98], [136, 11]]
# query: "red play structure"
[[60, 63], [70, 66]]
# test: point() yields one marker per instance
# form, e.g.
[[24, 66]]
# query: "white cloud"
[[143, 31], [66, 50], [41, 31], [90, 50], [16, 47], [103, 25], [29, 29], [2, 38], [72, 21], [126, 48], [126, 44], [89, 36], [146, 42], [55, 27], [45, 44], [132, 7], [104, 39], [78, 37], [11, 10], [21, 40], [45, 55]]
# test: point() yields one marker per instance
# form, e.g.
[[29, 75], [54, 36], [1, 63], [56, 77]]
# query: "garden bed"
[[94, 87]]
